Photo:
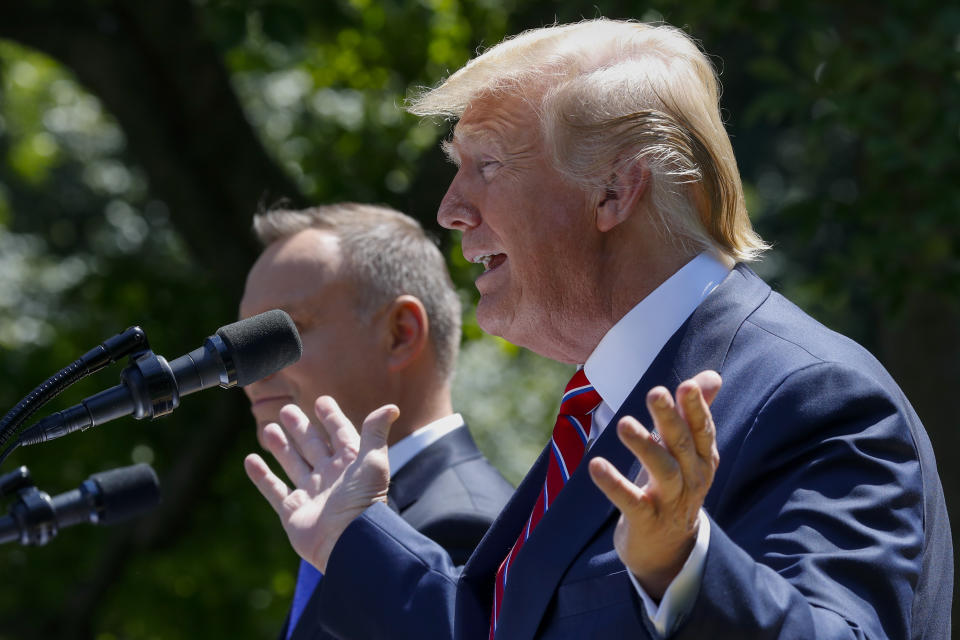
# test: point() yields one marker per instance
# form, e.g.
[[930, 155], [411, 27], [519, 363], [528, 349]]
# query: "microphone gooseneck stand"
[[35, 517], [236, 355], [132, 340]]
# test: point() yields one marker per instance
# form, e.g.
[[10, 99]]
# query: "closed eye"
[[487, 167]]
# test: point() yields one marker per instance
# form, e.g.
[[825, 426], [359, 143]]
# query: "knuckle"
[[632, 503], [672, 475], [682, 445], [709, 427]]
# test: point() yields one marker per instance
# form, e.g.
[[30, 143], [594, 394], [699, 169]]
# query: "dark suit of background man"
[[598, 187], [380, 322]]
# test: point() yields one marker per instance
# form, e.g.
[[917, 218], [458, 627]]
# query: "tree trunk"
[[166, 85]]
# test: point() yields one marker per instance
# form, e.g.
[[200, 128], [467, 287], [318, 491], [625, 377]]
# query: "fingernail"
[[662, 400]]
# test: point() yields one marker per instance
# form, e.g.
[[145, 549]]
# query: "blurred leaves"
[[845, 119]]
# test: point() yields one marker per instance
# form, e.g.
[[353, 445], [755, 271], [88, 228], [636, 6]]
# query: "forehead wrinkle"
[[499, 134], [470, 134]]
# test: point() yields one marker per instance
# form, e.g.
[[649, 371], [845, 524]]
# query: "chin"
[[504, 324], [491, 319]]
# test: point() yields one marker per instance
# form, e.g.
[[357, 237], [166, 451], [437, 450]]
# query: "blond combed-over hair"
[[613, 93]]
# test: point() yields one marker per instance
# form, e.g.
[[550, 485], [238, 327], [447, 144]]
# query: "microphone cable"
[[104, 354]]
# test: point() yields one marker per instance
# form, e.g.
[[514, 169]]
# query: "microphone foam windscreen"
[[261, 345], [126, 491]]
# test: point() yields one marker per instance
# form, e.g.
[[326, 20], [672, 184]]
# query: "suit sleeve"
[[819, 526], [386, 580], [458, 535]]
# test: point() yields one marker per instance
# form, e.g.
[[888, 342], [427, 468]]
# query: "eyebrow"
[[471, 134], [300, 306], [450, 151], [476, 133]]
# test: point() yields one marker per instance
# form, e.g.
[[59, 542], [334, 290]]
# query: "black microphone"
[[237, 354], [104, 498]]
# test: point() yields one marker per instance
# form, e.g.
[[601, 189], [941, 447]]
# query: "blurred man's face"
[[528, 225], [342, 353]]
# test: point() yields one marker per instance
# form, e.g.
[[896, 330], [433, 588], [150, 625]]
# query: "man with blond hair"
[[599, 190]]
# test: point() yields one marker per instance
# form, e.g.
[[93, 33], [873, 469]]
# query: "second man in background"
[[380, 323]]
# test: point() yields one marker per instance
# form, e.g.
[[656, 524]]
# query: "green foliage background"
[[845, 118]]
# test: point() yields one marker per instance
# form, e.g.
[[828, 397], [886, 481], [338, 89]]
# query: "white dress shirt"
[[616, 366], [404, 450]]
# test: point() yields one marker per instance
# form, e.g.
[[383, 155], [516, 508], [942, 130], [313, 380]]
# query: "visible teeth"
[[484, 260]]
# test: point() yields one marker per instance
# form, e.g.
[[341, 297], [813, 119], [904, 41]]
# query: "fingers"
[[693, 402], [341, 432], [625, 495], [674, 431], [687, 426], [277, 443], [270, 486], [309, 441], [376, 428], [709, 383], [657, 460]]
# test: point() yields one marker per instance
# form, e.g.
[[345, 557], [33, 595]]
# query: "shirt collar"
[[629, 347], [405, 449]]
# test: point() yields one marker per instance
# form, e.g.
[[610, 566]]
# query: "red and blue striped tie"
[[567, 446]]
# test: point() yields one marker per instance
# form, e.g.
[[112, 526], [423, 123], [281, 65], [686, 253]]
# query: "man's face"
[[342, 353], [529, 226]]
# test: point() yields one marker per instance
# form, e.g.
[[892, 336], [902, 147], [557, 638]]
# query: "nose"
[[251, 388], [248, 389], [456, 211]]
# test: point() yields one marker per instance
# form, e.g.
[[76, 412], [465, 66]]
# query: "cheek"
[[302, 375], [317, 370], [553, 270]]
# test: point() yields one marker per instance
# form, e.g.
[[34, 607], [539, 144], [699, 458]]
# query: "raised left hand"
[[336, 473], [659, 509]]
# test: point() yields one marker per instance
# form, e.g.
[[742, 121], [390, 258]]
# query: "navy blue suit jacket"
[[827, 514], [448, 492]]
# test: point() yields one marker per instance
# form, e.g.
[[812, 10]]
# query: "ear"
[[623, 193], [409, 328]]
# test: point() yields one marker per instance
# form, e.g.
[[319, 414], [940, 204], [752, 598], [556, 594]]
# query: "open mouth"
[[490, 261]]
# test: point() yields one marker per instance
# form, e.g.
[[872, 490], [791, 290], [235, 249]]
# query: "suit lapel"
[[706, 336], [409, 483], [580, 509]]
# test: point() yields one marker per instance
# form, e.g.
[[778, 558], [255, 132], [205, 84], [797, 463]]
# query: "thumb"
[[376, 428]]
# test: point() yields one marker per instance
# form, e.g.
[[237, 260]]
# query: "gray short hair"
[[388, 254]]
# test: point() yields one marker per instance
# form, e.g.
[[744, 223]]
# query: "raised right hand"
[[337, 473]]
